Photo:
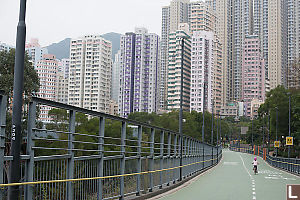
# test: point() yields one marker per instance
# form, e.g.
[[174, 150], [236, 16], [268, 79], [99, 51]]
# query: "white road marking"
[[245, 166], [230, 163], [253, 181]]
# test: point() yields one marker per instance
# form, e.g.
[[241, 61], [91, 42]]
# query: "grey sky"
[[54, 20]]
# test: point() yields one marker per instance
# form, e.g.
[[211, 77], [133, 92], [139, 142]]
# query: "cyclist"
[[255, 163]]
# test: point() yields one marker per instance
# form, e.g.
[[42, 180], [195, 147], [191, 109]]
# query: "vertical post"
[[70, 170], [217, 124], [289, 147], [169, 157], [276, 129], [212, 155], [16, 134], [203, 113], [161, 158], [139, 162], [203, 162], [269, 132], [30, 151], [3, 100], [184, 156], [152, 158], [181, 100], [122, 170], [263, 132], [175, 158], [252, 133], [212, 125], [101, 160], [188, 156]]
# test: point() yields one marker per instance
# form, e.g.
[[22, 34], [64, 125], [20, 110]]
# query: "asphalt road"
[[233, 179]]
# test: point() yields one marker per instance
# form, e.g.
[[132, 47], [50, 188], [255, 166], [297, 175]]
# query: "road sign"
[[244, 130], [293, 192], [289, 141], [276, 143]]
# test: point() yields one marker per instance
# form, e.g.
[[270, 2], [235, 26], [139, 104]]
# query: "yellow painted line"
[[97, 178]]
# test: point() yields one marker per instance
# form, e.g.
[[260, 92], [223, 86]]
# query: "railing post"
[[101, 160], [139, 162], [30, 151], [169, 157], [217, 154], [203, 157], [70, 169], [3, 100], [122, 170], [212, 155], [161, 158], [188, 155], [175, 158], [152, 158], [185, 157]]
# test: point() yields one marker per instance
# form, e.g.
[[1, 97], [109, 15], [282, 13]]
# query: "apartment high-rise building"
[[115, 88], [201, 17], [62, 88], [35, 51], [202, 71], [293, 17], [277, 43], [223, 30], [139, 72], [47, 69], [90, 73], [253, 76], [174, 68], [5, 47], [206, 72], [172, 16]]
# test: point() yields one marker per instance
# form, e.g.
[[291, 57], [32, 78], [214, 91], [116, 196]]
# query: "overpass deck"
[[233, 179]]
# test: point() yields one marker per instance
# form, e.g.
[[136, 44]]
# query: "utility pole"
[[16, 136], [212, 124], [180, 111], [203, 113], [276, 129], [289, 148]]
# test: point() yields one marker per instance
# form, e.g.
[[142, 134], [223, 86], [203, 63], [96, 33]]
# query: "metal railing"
[[288, 164], [107, 163]]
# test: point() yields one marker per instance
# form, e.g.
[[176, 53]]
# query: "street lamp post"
[[252, 133], [269, 132], [15, 169], [289, 147], [276, 129], [212, 124], [203, 113], [263, 132], [180, 111], [217, 125]]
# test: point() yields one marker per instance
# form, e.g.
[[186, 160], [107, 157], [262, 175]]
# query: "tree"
[[31, 86], [31, 79]]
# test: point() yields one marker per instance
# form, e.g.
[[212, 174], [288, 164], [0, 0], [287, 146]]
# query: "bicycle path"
[[233, 179]]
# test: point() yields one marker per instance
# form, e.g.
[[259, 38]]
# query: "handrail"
[[104, 177]]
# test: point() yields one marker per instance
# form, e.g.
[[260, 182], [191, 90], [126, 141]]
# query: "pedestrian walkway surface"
[[233, 179]]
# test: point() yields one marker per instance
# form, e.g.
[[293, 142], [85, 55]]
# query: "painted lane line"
[[245, 166], [253, 181]]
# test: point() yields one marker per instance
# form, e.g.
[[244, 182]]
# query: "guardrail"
[[288, 164], [106, 163]]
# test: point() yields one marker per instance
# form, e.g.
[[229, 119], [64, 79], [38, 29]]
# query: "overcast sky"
[[53, 20]]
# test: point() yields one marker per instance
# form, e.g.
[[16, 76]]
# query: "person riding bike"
[[255, 163]]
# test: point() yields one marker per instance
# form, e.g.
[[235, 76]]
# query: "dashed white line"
[[253, 181]]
